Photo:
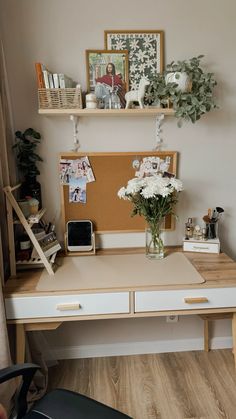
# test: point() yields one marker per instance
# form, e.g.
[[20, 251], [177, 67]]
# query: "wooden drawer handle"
[[195, 300], [68, 306]]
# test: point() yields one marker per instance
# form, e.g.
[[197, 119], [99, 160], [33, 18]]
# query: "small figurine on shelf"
[[137, 95]]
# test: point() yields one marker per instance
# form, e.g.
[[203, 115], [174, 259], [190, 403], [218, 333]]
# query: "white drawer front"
[[202, 247], [175, 300], [67, 305]]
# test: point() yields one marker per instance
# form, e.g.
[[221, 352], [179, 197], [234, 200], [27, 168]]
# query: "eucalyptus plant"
[[26, 156], [159, 92], [192, 105], [188, 106]]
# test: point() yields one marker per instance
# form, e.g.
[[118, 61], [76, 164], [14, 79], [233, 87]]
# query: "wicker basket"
[[69, 98]]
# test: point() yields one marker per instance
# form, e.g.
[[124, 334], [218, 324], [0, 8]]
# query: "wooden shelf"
[[108, 112], [33, 262], [37, 218], [41, 257]]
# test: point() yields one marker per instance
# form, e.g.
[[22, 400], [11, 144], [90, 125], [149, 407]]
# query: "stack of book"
[[48, 80], [48, 243]]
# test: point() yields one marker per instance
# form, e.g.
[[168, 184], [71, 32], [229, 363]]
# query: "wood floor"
[[183, 385]]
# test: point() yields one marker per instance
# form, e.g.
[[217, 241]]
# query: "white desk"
[[31, 310]]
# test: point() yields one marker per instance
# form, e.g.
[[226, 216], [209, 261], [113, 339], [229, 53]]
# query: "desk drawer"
[[67, 305], [185, 299]]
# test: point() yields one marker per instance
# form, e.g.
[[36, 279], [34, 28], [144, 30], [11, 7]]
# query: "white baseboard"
[[134, 348]]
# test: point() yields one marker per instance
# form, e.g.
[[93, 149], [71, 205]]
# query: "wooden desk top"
[[218, 270]]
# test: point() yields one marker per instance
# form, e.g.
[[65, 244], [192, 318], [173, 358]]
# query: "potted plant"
[[27, 159], [159, 91], [191, 102]]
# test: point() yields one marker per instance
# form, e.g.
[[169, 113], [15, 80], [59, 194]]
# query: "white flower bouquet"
[[153, 197]]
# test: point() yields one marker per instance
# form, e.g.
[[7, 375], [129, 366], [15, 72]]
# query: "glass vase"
[[154, 240]]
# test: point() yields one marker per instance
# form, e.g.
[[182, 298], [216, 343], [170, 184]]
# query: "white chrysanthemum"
[[165, 191], [177, 184], [148, 191], [122, 193], [157, 183], [134, 186], [153, 186]]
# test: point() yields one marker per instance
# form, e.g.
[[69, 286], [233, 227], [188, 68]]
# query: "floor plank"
[[183, 385]]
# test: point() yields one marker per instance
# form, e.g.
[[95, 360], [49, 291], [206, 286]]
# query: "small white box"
[[203, 246]]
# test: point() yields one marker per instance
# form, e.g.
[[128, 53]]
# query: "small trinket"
[[197, 234], [189, 229]]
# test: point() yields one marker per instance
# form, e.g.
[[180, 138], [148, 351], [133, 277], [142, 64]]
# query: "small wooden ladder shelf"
[[11, 204]]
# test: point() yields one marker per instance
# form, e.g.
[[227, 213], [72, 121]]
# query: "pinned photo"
[[152, 166], [77, 190], [66, 171], [82, 168]]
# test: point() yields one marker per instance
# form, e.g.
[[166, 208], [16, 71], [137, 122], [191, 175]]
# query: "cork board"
[[103, 207]]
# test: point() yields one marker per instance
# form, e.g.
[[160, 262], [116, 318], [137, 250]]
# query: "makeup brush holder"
[[211, 230]]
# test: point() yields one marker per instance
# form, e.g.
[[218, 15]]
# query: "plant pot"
[[31, 188], [181, 79]]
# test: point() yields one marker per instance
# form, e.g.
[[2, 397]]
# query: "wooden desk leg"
[[20, 343], [234, 336], [206, 336]]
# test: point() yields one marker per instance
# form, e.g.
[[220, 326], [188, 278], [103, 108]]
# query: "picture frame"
[[145, 50], [107, 73]]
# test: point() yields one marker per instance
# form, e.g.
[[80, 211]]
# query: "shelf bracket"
[[75, 121], [159, 140]]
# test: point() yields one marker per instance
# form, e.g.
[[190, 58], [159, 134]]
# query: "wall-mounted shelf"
[[108, 112], [76, 113]]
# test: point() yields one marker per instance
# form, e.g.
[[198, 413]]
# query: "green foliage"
[[189, 106], [26, 157], [153, 209], [191, 67], [159, 92]]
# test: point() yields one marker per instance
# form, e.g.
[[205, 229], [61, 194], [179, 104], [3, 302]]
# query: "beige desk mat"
[[118, 271]]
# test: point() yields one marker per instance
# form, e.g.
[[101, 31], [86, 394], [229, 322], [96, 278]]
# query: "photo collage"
[[76, 174]]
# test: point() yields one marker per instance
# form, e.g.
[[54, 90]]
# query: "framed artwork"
[[145, 50], [107, 74]]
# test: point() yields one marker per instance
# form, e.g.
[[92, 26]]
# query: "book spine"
[[46, 79], [56, 80], [51, 81], [62, 83], [39, 75]]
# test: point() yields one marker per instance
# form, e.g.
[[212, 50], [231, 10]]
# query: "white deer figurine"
[[137, 95]]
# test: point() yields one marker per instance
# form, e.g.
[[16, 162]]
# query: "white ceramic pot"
[[182, 79]]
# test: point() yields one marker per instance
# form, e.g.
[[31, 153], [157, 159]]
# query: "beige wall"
[[57, 32]]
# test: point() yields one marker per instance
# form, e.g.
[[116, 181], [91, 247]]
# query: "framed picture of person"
[[145, 49], [107, 76]]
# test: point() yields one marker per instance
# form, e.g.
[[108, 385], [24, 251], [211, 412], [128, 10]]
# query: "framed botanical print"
[[145, 50], [107, 74]]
